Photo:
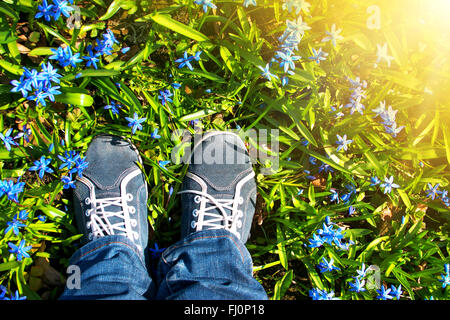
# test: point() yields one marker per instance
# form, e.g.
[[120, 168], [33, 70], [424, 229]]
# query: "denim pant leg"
[[210, 264], [111, 268]]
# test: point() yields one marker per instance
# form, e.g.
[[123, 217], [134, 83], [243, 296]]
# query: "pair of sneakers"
[[218, 191]]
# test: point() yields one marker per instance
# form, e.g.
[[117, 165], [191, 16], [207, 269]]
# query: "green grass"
[[404, 232]]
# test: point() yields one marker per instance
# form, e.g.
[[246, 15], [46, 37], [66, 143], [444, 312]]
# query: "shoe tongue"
[[115, 206], [218, 197]]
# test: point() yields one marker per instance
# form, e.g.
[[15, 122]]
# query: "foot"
[[219, 189], [111, 196]]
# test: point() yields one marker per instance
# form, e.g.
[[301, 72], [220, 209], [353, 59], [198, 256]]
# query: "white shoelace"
[[222, 220], [99, 222]]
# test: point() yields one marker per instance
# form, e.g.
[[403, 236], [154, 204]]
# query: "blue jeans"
[[210, 264]]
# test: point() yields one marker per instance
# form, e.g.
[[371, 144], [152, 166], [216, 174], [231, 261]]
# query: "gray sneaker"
[[111, 196], [219, 189]]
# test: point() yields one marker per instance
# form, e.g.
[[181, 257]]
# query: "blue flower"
[[176, 86], [266, 73], [80, 165], [293, 33], [68, 182], [298, 4], [343, 142], [185, 61], [388, 185], [154, 134], [39, 95], [91, 58], [334, 195], [327, 266], [396, 291], [393, 129], [20, 250], [374, 181], [164, 96], [318, 55], [384, 293], [49, 74], [61, 7], [445, 279], [351, 210], [388, 115], [69, 159], [8, 141], [326, 168], [41, 165], [135, 122], [32, 76], [23, 215], [14, 225], [206, 4], [50, 92], [346, 197], [308, 175], [333, 35], [11, 189], [355, 105], [114, 107], [362, 272], [22, 85], [196, 55], [26, 133], [125, 50], [358, 286], [312, 160], [163, 164], [44, 10], [316, 241], [16, 296], [156, 252], [287, 59], [65, 57], [433, 192], [317, 294], [42, 218]]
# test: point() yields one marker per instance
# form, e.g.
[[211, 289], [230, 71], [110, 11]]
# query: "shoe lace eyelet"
[[197, 199], [132, 210], [133, 223], [88, 212], [129, 197], [193, 225], [241, 200], [195, 213], [87, 201]]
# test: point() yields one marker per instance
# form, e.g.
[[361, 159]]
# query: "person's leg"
[[110, 204], [218, 204], [109, 268], [208, 265]]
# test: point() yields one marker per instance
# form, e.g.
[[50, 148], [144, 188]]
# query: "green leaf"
[[41, 51], [282, 285], [74, 98], [445, 131], [7, 36], [115, 6], [6, 9], [197, 115], [9, 265], [281, 248], [10, 67], [166, 21]]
